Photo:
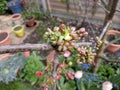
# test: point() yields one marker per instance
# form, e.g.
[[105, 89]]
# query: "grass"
[[16, 85]]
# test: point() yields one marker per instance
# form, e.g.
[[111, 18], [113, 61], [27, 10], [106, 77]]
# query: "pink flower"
[[85, 34], [27, 53], [78, 74], [70, 75], [39, 73], [58, 76], [67, 54], [107, 85], [82, 30]]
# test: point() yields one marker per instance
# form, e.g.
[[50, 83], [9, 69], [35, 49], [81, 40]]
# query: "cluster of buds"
[[85, 54], [65, 37], [98, 43]]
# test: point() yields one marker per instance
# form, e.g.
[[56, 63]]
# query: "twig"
[[105, 30], [107, 59], [113, 41], [104, 8]]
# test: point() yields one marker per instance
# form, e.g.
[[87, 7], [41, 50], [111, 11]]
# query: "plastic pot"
[[19, 30], [15, 6]]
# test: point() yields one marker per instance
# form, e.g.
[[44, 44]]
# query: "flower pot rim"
[[6, 37], [113, 32], [17, 26], [115, 46], [17, 18]]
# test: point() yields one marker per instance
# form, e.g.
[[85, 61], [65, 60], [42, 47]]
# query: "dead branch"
[[23, 47], [29, 47]]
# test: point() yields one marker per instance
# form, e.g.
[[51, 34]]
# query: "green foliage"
[[3, 7], [16, 85], [31, 67], [41, 29], [9, 66], [62, 85], [105, 71]]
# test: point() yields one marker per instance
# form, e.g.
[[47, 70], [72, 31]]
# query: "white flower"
[[107, 85], [78, 74]]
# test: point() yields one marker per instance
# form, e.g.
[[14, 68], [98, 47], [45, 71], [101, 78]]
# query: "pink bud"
[[107, 85], [78, 74], [82, 30], [39, 73], [85, 34], [27, 53], [67, 54]]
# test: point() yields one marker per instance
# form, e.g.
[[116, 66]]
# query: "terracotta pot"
[[113, 47], [17, 19], [4, 38], [30, 21]]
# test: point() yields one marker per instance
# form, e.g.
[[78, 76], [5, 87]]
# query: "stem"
[[55, 63], [112, 8]]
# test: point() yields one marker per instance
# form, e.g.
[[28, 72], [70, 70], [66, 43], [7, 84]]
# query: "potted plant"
[[15, 6], [4, 38], [29, 19], [19, 30], [112, 35]]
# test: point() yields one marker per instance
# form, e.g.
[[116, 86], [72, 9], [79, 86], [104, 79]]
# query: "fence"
[[77, 9]]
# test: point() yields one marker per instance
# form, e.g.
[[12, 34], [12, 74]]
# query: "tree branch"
[[28, 47], [107, 59], [23, 47]]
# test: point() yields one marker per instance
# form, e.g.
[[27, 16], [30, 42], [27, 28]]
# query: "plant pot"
[[15, 6], [19, 30], [17, 19], [30, 21], [113, 47], [4, 38]]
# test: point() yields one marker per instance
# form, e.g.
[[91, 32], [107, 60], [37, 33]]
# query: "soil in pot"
[[113, 37], [35, 23], [3, 36], [17, 28]]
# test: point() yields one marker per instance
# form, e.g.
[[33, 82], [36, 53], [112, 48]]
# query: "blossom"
[[85, 66], [27, 53], [70, 75], [114, 85], [70, 63], [58, 76], [85, 34], [107, 85], [78, 74], [39, 73], [82, 30], [67, 54]]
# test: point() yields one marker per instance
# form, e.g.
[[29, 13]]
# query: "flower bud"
[[78, 74], [39, 73], [107, 85], [67, 54]]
